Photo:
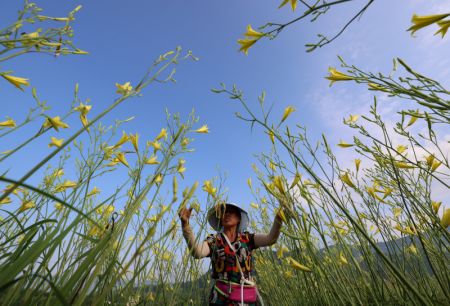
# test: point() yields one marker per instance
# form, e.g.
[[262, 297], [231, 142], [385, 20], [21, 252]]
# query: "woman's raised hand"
[[185, 214]]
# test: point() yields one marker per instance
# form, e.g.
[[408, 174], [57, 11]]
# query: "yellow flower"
[[65, 185], [246, 44], [357, 163], [134, 140], [412, 249], [249, 182], [8, 123], [423, 21], [252, 33], [124, 89], [184, 142], [287, 111], [297, 178], [278, 182], [254, 205], [436, 206], [94, 191], [435, 165], [272, 136], [342, 259], [293, 4], [152, 160], [155, 144], [343, 144], [413, 119], [180, 167], [121, 157], [83, 108], [444, 25], [445, 221], [6, 200], [208, 187], [296, 265], [59, 206], [55, 142], [55, 123], [158, 178], [397, 211], [27, 205], [337, 76], [374, 86], [352, 119], [162, 134], [16, 81], [281, 250], [403, 165], [204, 129], [401, 148], [346, 179], [58, 173], [122, 139]]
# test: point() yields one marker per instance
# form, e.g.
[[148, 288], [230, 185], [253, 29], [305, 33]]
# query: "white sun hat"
[[215, 213]]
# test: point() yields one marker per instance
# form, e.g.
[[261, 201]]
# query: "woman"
[[230, 250]]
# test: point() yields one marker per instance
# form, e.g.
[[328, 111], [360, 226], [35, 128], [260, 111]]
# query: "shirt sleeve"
[[262, 240], [197, 250]]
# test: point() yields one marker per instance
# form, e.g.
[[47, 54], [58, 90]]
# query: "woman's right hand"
[[185, 214]]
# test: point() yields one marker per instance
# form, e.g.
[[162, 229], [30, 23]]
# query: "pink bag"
[[250, 292]]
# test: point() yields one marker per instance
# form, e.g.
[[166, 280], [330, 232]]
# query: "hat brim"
[[214, 221]]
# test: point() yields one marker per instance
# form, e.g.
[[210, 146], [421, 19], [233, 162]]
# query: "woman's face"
[[231, 217]]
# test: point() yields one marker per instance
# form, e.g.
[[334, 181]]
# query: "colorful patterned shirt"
[[224, 263]]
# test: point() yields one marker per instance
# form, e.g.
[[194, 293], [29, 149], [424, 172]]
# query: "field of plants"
[[371, 233]]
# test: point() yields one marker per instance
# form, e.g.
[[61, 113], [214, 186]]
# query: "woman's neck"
[[231, 233]]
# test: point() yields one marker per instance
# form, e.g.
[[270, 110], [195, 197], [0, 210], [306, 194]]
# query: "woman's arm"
[[262, 240], [198, 251]]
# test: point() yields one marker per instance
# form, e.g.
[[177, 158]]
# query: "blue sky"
[[123, 38]]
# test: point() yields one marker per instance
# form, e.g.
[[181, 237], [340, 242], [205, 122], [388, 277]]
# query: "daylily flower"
[[401, 148], [445, 221], [10, 123], [272, 136], [55, 142], [413, 119], [287, 111], [343, 144], [65, 185], [412, 249], [124, 89], [134, 140], [357, 163], [436, 206], [278, 182], [296, 265], [403, 165], [208, 187], [293, 4], [281, 250], [59, 206], [162, 134], [444, 25], [27, 205], [158, 178], [121, 157], [180, 167], [204, 129], [352, 119], [337, 76], [155, 144], [16, 81], [152, 160], [346, 179], [342, 259], [423, 21], [55, 123], [397, 211], [94, 191], [83, 108], [254, 205], [252, 33], [246, 44], [122, 139], [6, 200]]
